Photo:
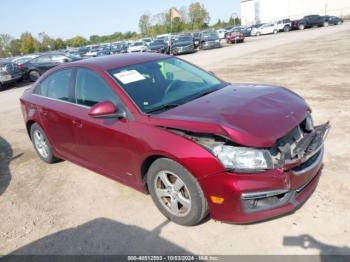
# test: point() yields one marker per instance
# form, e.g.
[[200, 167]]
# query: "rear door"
[[42, 63], [102, 144], [53, 99]]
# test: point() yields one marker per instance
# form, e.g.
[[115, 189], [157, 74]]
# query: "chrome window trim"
[[58, 100]]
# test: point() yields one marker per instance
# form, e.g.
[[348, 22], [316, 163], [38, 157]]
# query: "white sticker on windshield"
[[130, 76]]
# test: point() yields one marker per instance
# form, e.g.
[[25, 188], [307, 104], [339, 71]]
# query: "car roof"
[[119, 60]]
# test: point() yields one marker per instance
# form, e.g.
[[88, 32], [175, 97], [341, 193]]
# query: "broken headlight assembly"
[[234, 157], [241, 159]]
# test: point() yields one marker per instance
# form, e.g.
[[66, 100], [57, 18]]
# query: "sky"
[[68, 18]]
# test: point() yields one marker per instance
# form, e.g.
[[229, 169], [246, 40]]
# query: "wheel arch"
[[29, 125]]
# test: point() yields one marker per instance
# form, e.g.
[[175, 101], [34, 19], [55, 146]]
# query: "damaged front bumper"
[[254, 197]]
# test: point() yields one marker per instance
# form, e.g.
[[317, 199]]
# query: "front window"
[[210, 35], [138, 44], [41, 59], [91, 89], [159, 85], [157, 42]]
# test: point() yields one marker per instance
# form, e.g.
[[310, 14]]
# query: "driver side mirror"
[[106, 109]]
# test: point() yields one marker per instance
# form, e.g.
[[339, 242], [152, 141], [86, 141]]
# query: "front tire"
[[41, 144], [286, 28], [176, 192], [325, 24], [275, 31], [34, 75], [301, 27]]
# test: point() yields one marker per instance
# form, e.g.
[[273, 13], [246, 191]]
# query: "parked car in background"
[[209, 40], [165, 37], [333, 20], [158, 46], [182, 44], [284, 25], [250, 28], [196, 38], [92, 51], [234, 36], [198, 145], [23, 59], [147, 40], [245, 31], [34, 68], [105, 50], [310, 21], [221, 33], [119, 48], [265, 29], [138, 46], [9, 73]]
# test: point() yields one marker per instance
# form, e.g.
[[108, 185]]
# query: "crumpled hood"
[[251, 115]]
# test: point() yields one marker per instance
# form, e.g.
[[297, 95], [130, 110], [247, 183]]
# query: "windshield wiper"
[[162, 107], [207, 92]]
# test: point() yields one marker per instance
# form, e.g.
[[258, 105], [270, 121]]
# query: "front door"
[[103, 144]]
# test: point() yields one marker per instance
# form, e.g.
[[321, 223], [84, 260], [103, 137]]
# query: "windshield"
[[164, 83], [138, 44], [23, 60], [211, 35], [157, 42], [183, 39]]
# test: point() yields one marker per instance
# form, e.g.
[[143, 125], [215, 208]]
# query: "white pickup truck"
[[265, 29], [284, 25]]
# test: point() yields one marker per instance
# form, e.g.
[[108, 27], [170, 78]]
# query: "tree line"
[[195, 17]]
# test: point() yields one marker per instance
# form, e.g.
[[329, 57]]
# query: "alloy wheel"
[[172, 193], [41, 144]]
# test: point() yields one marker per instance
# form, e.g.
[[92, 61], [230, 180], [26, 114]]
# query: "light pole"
[[234, 15]]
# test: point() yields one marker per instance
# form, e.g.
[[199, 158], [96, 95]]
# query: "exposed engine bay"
[[296, 147]]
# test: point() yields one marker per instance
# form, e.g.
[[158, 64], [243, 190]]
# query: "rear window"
[[56, 86]]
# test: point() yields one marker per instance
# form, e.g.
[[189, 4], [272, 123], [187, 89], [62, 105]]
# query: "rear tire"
[[176, 192], [1, 87], [301, 27], [34, 75], [286, 28], [258, 33], [325, 24], [275, 31], [41, 144]]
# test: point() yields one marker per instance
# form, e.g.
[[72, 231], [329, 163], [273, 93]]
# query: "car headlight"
[[242, 159]]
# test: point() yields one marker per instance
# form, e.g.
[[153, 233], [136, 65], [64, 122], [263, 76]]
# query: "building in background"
[[265, 11]]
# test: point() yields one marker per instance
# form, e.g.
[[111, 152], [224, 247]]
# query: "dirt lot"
[[63, 208]]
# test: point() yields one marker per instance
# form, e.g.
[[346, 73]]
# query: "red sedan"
[[234, 36], [197, 144]]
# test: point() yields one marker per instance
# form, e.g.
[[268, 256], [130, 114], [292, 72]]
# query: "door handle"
[[77, 123]]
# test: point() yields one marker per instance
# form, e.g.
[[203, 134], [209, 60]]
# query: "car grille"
[[210, 43], [184, 48]]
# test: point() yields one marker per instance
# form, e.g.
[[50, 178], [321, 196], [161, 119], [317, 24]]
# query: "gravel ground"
[[66, 209]]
